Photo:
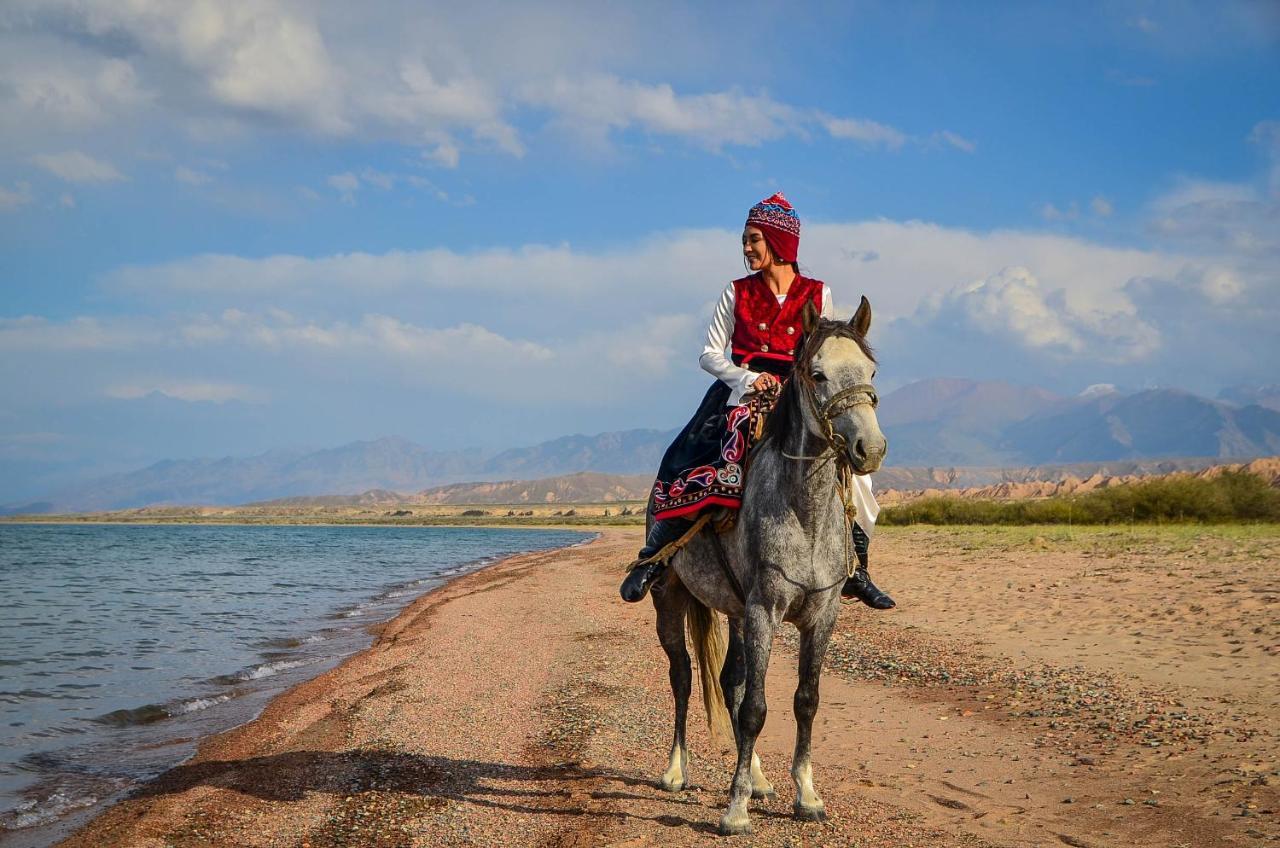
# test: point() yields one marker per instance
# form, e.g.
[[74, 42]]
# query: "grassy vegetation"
[[1229, 497], [1223, 541]]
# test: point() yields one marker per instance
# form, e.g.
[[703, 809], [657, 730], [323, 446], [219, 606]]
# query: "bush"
[[472, 512], [1231, 496]]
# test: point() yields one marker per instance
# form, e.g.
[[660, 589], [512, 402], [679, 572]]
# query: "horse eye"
[[819, 377]]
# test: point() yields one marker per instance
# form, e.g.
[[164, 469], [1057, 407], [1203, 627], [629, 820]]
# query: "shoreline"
[[364, 636], [585, 526], [523, 704]]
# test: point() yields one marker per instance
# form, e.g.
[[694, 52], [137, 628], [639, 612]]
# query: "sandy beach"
[[1080, 687]]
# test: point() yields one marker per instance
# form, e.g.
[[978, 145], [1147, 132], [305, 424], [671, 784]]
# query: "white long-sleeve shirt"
[[715, 361]]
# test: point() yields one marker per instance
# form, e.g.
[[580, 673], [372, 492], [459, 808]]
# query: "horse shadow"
[[560, 789]]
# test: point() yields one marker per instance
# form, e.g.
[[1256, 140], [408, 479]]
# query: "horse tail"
[[709, 647]]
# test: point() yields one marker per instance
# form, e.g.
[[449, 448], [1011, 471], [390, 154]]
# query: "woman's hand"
[[764, 383]]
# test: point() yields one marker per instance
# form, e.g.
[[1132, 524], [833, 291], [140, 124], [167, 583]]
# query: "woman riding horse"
[[758, 321]]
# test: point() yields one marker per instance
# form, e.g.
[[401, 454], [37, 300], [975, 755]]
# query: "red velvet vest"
[[763, 328]]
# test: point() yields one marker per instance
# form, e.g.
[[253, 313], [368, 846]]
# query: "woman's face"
[[755, 249]]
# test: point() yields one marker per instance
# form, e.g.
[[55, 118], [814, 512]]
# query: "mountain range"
[[942, 432]]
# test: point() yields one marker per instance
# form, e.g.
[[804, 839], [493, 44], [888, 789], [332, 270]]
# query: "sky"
[[227, 228]]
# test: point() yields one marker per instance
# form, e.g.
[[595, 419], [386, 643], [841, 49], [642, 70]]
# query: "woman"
[[758, 321]]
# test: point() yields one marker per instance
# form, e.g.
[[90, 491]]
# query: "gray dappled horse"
[[787, 554]]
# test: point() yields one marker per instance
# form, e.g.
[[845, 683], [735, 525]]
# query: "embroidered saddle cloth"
[[706, 464]]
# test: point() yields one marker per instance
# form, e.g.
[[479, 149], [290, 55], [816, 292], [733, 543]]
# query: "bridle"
[[842, 401]]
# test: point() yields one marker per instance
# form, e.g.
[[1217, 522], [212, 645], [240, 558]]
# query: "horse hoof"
[[734, 828], [810, 814], [673, 787], [763, 794]]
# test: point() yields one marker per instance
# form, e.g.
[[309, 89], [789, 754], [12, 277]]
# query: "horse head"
[[831, 389]]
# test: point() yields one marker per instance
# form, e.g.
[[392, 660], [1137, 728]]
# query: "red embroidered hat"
[[780, 225]]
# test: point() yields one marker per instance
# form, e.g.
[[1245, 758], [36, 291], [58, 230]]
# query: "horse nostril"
[[859, 450]]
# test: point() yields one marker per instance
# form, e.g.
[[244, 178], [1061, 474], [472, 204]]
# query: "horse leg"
[[759, 626], [671, 605], [733, 682], [813, 649]]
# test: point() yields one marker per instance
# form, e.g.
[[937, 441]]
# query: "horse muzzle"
[[866, 454]]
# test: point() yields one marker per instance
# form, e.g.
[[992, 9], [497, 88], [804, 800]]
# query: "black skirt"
[[706, 463]]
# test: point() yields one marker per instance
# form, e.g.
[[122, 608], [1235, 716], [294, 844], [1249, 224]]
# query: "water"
[[122, 645]]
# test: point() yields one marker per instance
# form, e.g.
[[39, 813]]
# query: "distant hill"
[[957, 422], [967, 477], [381, 469], [1155, 423], [624, 452], [387, 463], [1264, 396], [583, 487], [945, 432]]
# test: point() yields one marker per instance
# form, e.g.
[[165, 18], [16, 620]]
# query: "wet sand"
[[1064, 687]]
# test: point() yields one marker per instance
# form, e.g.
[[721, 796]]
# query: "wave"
[[38, 811], [264, 670], [152, 713]]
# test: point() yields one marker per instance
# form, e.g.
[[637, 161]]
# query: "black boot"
[[642, 575], [859, 584]]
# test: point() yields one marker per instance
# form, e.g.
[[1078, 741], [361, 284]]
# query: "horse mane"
[[787, 413]]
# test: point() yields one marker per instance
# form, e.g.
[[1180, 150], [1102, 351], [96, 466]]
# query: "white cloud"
[[1101, 206], [868, 133], [1051, 212], [191, 176], [1068, 299], [1013, 304], [12, 199], [76, 167], [346, 184], [586, 329], [32, 334], [600, 104], [1226, 218], [244, 346], [912, 260], [217, 68], [596, 106], [958, 141], [55, 85], [446, 81]]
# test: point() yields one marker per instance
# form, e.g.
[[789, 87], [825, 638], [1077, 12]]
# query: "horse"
[[785, 559]]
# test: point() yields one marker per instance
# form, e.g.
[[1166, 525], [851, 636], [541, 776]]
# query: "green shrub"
[[1231, 496]]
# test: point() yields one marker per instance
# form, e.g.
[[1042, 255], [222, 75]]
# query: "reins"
[[835, 448]]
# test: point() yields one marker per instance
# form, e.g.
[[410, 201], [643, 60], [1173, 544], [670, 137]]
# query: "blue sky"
[[231, 227]]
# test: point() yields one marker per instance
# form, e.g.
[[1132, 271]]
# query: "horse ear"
[[861, 320], [809, 318]]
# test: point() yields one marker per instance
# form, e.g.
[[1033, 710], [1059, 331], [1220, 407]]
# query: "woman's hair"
[[795, 266]]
